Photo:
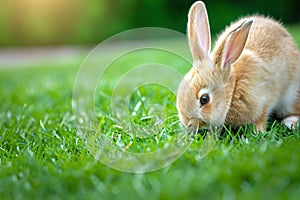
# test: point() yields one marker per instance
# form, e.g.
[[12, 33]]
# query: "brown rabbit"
[[253, 71]]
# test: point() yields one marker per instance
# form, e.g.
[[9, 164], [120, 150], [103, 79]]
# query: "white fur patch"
[[291, 122]]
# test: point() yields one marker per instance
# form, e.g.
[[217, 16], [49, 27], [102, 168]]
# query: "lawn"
[[42, 155]]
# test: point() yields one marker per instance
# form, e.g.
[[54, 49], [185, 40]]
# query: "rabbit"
[[252, 72]]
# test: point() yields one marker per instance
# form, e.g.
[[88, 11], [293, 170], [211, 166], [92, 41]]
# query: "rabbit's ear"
[[198, 31], [235, 43]]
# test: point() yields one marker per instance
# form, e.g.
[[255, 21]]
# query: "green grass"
[[42, 156]]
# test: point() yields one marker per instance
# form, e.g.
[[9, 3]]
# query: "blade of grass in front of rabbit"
[[209, 141]]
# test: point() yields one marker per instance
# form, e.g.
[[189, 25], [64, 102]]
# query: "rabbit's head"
[[204, 95]]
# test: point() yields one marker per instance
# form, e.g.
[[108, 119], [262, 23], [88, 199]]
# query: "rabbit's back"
[[267, 72]]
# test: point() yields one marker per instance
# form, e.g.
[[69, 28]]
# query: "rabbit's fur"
[[253, 71]]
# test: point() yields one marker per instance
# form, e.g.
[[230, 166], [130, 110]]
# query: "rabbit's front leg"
[[261, 122]]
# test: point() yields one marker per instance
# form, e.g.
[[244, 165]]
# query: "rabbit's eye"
[[204, 99]]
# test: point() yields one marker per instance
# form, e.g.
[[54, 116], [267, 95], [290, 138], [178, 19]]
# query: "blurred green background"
[[76, 22]]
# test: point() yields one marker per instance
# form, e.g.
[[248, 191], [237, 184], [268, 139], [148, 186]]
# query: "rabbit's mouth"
[[196, 124]]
